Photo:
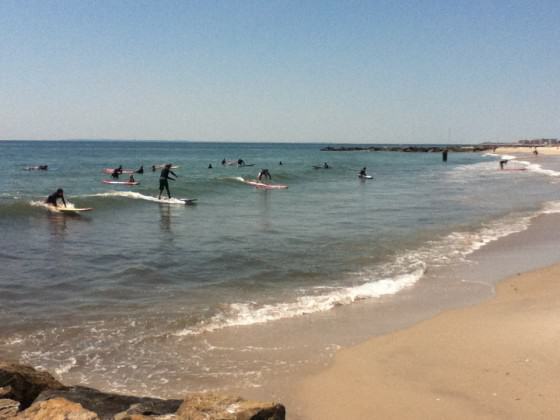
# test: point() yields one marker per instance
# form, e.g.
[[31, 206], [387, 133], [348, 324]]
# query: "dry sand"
[[496, 360], [544, 150]]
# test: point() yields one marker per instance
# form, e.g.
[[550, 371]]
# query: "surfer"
[[131, 178], [54, 197], [115, 174], [153, 168], [326, 165], [363, 172], [240, 162], [264, 173], [503, 162], [223, 161], [140, 170], [164, 177], [210, 166], [280, 163], [444, 155]]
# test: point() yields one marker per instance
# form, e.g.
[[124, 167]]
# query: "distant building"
[[538, 142]]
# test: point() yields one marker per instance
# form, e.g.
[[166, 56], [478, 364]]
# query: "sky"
[[272, 71]]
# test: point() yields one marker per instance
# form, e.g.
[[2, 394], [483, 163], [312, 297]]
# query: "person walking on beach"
[[54, 197], [164, 177]]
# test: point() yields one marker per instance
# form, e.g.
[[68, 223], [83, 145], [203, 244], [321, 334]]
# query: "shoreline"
[[496, 359]]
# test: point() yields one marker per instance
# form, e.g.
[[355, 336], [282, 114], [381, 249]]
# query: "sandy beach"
[[495, 360], [544, 150]]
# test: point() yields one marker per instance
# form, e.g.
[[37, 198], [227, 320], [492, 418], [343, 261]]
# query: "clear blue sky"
[[340, 71]]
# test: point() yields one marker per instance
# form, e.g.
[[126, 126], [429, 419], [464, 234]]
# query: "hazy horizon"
[[431, 72]]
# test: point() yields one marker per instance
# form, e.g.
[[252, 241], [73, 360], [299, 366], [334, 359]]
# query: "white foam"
[[242, 314], [138, 196], [537, 168], [35, 203]]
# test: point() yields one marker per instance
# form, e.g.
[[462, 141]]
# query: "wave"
[[137, 196], [242, 314], [537, 168], [405, 270]]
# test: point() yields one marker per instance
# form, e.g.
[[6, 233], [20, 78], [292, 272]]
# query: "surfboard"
[[513, 169], [187, 201], [320, 167], [163, 166], [264, 186], [107, 181], [365, 176], [124, 171], [73, 209]]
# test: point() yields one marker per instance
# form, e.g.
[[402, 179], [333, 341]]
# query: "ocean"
[[248, 286]]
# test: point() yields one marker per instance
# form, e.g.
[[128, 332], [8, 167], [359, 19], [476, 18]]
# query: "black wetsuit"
[[53, 198], [163, 177]]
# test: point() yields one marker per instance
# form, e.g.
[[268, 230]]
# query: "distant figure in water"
[[140, 170], [326, 165], [164, 177], [54, 197], [116, 172], [153, 168], [503, 162], [444, 155], [363, 172], [209, 166], [131, 178], [264, 173], [223, 161], [240, 162], [280, 163]]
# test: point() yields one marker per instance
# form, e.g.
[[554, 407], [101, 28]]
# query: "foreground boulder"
[[8, 408], [204, 406], [23, 383], [107, 405], [56, 409]]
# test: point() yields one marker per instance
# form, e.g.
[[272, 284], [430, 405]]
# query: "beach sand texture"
[[496, 360], [543, 150]]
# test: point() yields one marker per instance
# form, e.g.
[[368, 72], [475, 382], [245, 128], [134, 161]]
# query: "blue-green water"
[[136, 286]]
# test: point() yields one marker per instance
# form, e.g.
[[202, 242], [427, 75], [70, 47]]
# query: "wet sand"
[[495, 360]]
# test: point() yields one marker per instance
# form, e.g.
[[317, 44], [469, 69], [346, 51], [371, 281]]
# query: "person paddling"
[[54, 197], [164, 177]]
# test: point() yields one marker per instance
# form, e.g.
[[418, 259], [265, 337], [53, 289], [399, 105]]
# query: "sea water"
[[246, 285]]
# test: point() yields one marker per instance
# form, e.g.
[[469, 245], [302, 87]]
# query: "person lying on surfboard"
[[264, 174], [163, 177], [131, 178], [54, 197]]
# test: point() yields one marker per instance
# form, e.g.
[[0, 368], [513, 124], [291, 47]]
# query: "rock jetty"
[[409, 149], [28, 394]]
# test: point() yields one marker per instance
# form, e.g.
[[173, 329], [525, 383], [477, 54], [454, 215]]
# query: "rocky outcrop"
[[42, 397], [216, 406], [8, 408], [107, 405], [56, 409], [23, 383], [409, 149]]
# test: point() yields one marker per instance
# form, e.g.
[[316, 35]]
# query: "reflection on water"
[[165, 218], [264, 209], [57, 225]]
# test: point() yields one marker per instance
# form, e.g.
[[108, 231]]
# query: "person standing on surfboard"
[[54, 197], [264, 174], [164, 177]]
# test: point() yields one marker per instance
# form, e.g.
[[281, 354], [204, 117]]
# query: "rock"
[[210, 406], [23, 383], [56, 409], [145, 411], [8, 408], [107, 405]]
